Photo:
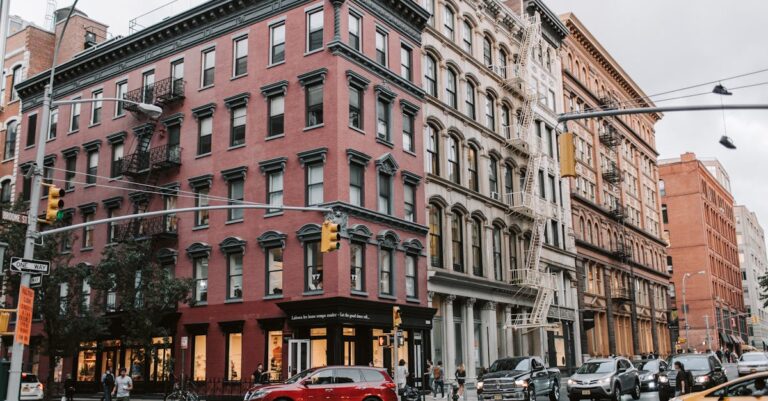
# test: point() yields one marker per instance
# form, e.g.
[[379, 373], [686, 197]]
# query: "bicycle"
[[183, 392]]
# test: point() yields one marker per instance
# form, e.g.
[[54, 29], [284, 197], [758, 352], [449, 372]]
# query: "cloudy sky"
[[662, 44]]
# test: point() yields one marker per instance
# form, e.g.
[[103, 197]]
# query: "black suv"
[[706, 370]]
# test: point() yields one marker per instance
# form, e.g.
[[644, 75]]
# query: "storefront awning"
[[726, 338], [737, 339], [354, 311]]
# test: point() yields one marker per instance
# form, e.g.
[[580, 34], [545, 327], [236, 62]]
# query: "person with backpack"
[[437, 373], [108, 384]]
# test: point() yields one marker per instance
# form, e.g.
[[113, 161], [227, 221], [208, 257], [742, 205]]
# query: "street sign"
[[24, 315], [15, 217], [184, 342], [19, 265], [35, 281]]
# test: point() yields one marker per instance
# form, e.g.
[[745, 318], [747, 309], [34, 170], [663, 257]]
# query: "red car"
[[332, 383]]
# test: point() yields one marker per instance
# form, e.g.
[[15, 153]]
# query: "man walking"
[[123, 386], [108, 383]]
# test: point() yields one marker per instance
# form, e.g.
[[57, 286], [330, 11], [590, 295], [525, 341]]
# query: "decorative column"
[[469, 329], [508, 332], [610, 325], [654, 333], [450, 335], [491, 333], [337, 19]]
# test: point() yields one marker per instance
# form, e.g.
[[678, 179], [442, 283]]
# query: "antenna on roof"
[[50, 21]]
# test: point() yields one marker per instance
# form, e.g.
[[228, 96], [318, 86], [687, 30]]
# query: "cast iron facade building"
[[750, 238]]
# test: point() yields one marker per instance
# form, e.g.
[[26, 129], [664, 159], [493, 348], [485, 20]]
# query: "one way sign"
[[19, 265]]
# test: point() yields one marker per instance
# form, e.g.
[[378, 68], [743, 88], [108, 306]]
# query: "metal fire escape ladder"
[[515, 80]]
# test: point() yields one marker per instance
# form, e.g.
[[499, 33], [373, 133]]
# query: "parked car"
[[354, 383], [747, 388], [604, 378], [752, 362], [520, 378], [707, 372], [31, 388], [648, 370]]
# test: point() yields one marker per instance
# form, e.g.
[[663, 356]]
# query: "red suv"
[[352, 383]]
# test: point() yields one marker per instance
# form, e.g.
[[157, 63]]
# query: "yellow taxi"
[[747, 388]]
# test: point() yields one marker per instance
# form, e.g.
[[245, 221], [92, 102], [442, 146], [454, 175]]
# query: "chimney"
[[688, 157]]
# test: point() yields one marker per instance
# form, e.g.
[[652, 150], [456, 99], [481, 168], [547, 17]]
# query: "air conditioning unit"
[[495, 195]]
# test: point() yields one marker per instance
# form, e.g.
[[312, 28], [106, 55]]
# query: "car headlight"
[[663, 379], [258, 394], [571, 382], [480, 385], [521, 383], [604, 381], [702, 379]]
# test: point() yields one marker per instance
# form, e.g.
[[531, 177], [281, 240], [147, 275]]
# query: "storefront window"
[[275, 354], [235, 357], [378, 350], [349, 345], [58, 370], [198, 359], [478, 344], [86, 362], [160, 367], [318, 347], [437, 330], [459, 334], [135, 357]]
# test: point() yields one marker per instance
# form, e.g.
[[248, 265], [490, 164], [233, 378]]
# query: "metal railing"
[[156, 158], [147, 228], [609, 136], [612, 174], [622, 294], [162, 92]]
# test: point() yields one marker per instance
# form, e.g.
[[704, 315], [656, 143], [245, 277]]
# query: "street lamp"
[[685, 305]]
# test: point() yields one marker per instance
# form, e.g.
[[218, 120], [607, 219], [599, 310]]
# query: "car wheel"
[[616, 392], [636, 391], [555, 394]]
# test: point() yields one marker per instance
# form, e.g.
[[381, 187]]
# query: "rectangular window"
[[205, 133], [411, 276], [198, 358], [15, 79], [385, 193], [490, 113], [314, 105], [236, 197], [355, 108], [93, 167], [552, 189], [314, 30], [148, 87], [276, 115], [664, 214], [201, 200], [112, 227], [381, 48], [70, 166], [405, 62], [88, 231], [385, 272], [177, 77], [235, 356], [74, 119], [313, 266], [357, 262], [117, 160], [382, 119], [32, 128], [408, 140], [275, 271], [240, 62], [555, 233], [277, 43], [314, 184], [355, 31], [275, 191], [54, 124], [121, 88], [235, 276], [201, 279], [209, 68], [237, 134], [356, 184], [409, 194]]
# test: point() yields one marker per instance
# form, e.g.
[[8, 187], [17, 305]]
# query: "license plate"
[[497, 397], [585, 392]]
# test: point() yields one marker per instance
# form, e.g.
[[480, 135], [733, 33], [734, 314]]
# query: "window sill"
[[413, 300], [47, 140], [202, 88], [359, 293], [73, 132], [242, 145], [410, 152], [238, 76], [90, 185], [313, 127], [359, 130], [10, 159], [269, 138], [390, 297], [234, 301], [233, 221], [318, 50], [32, 146], [203, 155], [199, 303], [274, 296], [119, 117], [385, 142], [273, 214], [200, 227], [94, 124], [275, 64], [88, 249], [312, 293]]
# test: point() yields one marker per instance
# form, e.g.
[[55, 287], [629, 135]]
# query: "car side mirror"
[[538, 368], [306, 382], [621, 370]]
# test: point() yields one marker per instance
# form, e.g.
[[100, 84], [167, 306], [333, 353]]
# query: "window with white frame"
[[314, 184], [74, 118], [355, 31], [208, 67], [277, 43], [381, 47], [240, 56], [314, 30], [96, 107]]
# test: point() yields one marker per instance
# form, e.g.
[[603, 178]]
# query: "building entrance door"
[[298, 356]]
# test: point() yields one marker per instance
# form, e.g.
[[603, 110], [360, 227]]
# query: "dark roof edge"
[[549, 17]]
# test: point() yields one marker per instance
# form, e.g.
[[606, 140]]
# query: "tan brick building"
[[700, 224], [615, 205]]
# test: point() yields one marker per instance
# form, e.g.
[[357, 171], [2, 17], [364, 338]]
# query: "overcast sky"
[[662, 44]]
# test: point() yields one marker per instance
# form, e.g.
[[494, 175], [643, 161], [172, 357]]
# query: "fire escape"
[[147, 164], [526, 203]]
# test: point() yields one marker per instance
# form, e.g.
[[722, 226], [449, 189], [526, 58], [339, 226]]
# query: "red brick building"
[[697, 210], [299, 103]]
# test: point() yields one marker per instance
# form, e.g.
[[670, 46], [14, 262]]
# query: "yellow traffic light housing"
[[54, 212], [330, 237], [397, 320], [567, 155], [5, 318]]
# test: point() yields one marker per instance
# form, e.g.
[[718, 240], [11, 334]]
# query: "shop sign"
[[332, 315], [184, 342]]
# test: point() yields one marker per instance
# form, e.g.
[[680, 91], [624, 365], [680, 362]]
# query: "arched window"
[[493, 177], [5, 191], [506, 121], [10, 140], [457, 242], [436, 236], [477, 248], [512, 251], [450, 88], [498, 269], [453, 160], [472, 166], [430, 76], [449, 23], [490, 112], [487, 52], [466, 37], [508, 183], [470, 100], [433, 151], [502, 67]]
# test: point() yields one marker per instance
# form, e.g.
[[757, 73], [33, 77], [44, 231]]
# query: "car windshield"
[[650, 366], [753, 357], [510, 364], [597, 367], [300, 376], [692, 362], [28, 378]]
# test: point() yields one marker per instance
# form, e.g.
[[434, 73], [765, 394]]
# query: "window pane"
[[315, 31], [276, 115], [357, 256], [235, 275], [235, 357], [385, 266], [278, 44], [275, 271]]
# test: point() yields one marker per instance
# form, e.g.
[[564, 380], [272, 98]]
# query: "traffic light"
[[396, 318], [329, 237], [5, 317], [567, 155], [755, 319], [55, 204]]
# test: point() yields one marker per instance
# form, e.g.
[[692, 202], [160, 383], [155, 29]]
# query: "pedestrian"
[[108, 383], [437, 374], [727, 355], [401, 375], [461, 376], [431, 376], [719, 354], [69, 388], [258, 376], [683, 380], [123, 386]]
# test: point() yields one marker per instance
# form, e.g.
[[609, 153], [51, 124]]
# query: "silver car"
[[604, 378], [752, 362]]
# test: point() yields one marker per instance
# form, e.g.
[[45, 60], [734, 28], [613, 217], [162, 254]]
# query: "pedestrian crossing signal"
[[397, 320]]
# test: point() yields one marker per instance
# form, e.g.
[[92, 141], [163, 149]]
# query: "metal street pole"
[[561, 118], [14, 379], [4, 23]]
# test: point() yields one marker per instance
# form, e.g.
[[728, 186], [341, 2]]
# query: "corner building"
[[300, 103], [615, 205], [753, 261], [491, 255]]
